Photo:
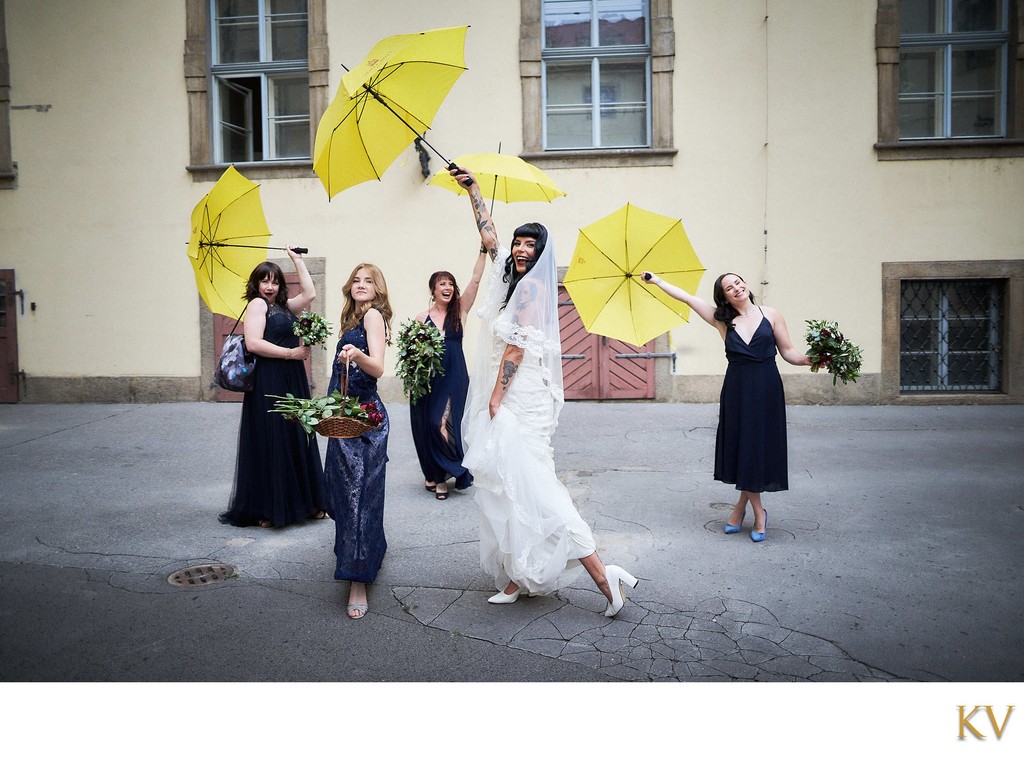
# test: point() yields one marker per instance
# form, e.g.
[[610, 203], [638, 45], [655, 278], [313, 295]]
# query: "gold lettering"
[[992, 719], [966, 721]]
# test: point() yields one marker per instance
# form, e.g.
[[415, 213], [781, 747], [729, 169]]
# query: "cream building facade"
[[792, 137]]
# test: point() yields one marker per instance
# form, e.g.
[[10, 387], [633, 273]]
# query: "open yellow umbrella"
[[229, 239], [605, 280], [503, 177], [384, 103]]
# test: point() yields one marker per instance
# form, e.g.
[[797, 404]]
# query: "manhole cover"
[[202, 574]]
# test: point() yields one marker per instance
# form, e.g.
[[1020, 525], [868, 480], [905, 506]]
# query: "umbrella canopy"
[[605, 275], [229, 239], [384, 103], [502, 177]]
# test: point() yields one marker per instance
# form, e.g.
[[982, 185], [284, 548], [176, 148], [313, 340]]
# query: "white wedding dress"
[[530, 531]]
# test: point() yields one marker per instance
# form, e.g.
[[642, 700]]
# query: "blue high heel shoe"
[[757, 537], [731, 529]]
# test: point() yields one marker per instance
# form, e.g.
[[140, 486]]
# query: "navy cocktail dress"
[[750, 448]]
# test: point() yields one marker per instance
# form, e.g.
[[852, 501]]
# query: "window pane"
[[920, 16], [238, 33], [622, 22], [567, 24], [236, 104], [289, 117], [290, 96], [569, 113], [976, 69], [623, 104], [977, 15], [287, 30], [976, 117], [921, 112]]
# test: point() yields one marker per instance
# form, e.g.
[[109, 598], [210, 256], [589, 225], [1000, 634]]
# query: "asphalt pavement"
[[893, 557]]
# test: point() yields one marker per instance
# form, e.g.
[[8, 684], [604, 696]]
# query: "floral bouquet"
[[830, 349], [420, 349], [338, 409], [311, 328]]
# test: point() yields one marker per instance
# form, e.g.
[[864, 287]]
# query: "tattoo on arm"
[[508, 370]]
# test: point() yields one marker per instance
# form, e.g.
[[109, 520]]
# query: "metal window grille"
[[951, 336]]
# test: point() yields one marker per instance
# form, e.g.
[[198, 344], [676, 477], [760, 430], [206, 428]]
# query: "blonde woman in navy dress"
[[750, 447]]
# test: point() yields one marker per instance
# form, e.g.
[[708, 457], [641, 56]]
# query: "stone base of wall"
[[111, 389], [803, 389]]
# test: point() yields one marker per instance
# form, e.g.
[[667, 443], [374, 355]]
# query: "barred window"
[[951, 335]]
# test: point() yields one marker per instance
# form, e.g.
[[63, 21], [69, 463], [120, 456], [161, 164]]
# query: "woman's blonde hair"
[[352, 313]]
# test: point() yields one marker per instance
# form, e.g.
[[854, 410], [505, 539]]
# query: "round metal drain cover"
[[202, 574]]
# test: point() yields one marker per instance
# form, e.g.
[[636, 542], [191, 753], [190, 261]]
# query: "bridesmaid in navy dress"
[[750, 448], [355, 468], [278, 477], [436, 418]]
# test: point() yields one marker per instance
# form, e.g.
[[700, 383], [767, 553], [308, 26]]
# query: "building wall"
[[774, 121]]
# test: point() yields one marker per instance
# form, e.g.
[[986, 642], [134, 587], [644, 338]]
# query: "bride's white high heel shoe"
[[617, 577], [506, 598]]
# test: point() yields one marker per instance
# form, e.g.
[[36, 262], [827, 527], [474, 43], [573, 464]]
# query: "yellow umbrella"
[[385, 103], [605, 275], [229, 239], [503, 177]]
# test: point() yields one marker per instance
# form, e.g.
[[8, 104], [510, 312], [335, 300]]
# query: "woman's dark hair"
[[724, 311], [512, 277], [262, 271], [453, 317]]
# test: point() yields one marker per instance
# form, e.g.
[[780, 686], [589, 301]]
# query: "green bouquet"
[[311, 328], [831, 350], [420, 349]]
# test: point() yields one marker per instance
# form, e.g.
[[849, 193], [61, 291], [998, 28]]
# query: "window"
[[597, 82], [256, 76], [948, 79], [949, 332], [596, 57], [953, 56], [260, 80], [950, 336], [8, 168]]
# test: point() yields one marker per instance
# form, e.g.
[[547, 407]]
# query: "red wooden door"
[[9, 375], [597, 368], [222, 326]]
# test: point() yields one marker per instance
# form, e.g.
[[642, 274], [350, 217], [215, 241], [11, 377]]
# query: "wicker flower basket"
[[343, 427]]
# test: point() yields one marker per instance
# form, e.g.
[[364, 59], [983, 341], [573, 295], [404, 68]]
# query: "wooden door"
[[9, 372], [222, 326], [597, 368]]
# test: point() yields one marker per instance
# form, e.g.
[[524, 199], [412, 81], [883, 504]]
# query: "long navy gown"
[[750, 449], [440, 455], [278, 477], [354, 471]]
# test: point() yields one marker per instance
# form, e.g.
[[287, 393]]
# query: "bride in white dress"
[[532, 539]]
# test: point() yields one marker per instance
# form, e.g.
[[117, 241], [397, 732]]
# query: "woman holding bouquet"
[[355, 468], [531, 536], [278, 477], [750, 447], [436, 418]]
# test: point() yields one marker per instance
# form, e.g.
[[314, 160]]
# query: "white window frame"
[[596, 55], [264, 70], [947, 42]]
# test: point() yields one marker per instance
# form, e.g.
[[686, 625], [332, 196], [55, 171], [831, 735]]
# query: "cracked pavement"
[[892, 558]]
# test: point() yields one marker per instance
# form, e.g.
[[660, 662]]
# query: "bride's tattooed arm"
[[511, 359]]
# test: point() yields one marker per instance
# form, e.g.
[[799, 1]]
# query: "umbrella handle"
[[300, 250], [453, 166]]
